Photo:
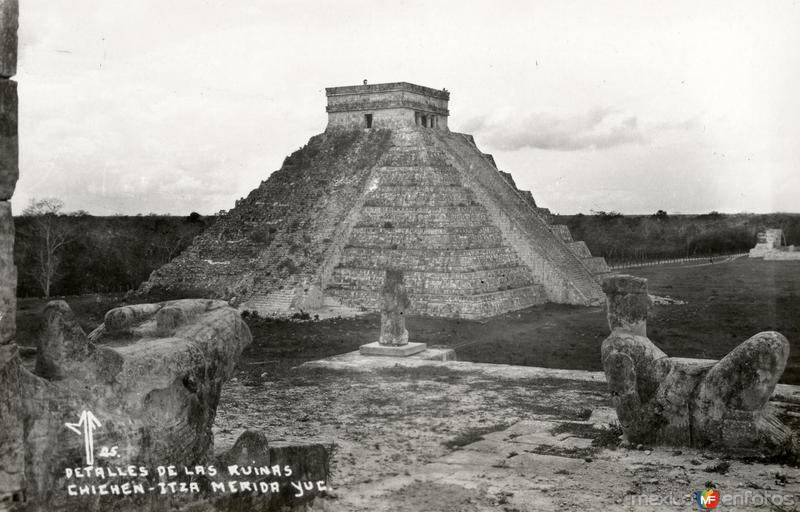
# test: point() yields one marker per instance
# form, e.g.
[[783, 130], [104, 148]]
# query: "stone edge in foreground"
[[376, 349]]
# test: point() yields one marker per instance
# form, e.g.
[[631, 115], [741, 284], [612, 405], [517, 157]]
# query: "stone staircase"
[[419, 217], [560, 265], [277, 303], [472, 306], [596, 265], [562, 231]]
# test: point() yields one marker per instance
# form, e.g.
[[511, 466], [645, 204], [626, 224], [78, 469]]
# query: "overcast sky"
[[186, 105]]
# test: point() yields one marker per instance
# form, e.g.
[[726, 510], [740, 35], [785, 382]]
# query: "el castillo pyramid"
[[387, 185]]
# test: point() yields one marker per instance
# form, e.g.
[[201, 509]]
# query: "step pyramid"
[[387, 185]]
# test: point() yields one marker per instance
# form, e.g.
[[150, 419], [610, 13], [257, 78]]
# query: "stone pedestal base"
[[376, 349]]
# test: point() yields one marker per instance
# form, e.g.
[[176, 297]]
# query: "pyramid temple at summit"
[[387, 185]]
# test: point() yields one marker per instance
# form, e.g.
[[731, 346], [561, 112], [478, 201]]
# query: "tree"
[[46, 236]]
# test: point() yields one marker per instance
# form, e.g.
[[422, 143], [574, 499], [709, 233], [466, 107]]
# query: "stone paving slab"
[[616, 480], [377, 349], [430, 357], [546, 462], [436, 356], [416, 434]]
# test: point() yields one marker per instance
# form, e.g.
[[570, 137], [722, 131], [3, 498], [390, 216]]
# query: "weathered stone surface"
[[249, 447], [61, 339], [627, 302], [737, 388], [153, 382], [12, 451], [8, 276], [355, 202], [9, 140], [308, 463], [123, 319], [393, 308], [12, 448], [389, 105], [691, 402], [378, 349], [9, 22]]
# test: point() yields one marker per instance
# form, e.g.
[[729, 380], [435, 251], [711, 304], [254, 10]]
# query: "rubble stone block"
[[154, 390], [12, 451], [8, 276], [309, 463], [9, 140], [9, 22], [379, 349]]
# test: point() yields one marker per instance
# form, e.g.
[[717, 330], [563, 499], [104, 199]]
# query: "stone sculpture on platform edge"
[[144, 385], [691, 402]]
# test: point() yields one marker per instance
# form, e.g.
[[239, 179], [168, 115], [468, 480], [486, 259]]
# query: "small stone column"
[[394, 302], [393, 340], [627, 302]]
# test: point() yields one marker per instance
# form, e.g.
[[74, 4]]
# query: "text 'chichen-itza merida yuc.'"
[[387, 186]]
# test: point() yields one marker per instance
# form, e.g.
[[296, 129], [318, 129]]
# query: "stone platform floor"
[[422, 434]]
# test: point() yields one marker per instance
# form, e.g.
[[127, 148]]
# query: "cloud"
[[598, 128], [131, 148]]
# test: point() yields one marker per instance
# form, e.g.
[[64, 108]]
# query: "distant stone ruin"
[[771, 246], [152, 375], [691, 402], [387, 185]]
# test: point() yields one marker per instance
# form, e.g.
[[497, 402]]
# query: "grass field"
[[726, 303]]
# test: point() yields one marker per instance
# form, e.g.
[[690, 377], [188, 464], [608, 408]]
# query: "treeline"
[[99, 254], [627, 238], [118, 253]]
